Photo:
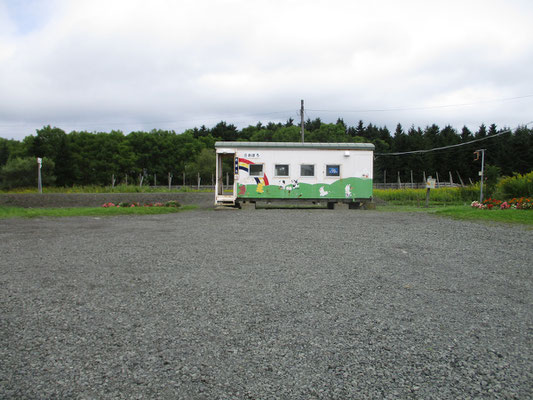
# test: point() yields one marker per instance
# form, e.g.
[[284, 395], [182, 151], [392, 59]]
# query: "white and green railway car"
[[329, 173]]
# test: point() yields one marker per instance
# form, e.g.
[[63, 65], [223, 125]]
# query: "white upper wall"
[[353, 163]]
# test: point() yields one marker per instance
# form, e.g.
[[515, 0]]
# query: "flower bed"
[[522, 203], [171, 203]]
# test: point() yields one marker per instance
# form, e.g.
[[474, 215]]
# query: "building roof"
[[296, 145]]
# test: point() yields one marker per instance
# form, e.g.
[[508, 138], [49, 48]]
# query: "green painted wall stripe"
[[347, 188]]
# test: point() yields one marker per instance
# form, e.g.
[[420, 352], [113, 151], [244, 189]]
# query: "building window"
[[256, 169], [282, 169], [333, 170], [307, 170]]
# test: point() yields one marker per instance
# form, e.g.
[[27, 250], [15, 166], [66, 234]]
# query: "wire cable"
[[452, 145], [415, 108], [141, 122]]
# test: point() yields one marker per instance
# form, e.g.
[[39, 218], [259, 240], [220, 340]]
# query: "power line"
[[415, 108], [141, 122], [449, 146], [258, 114]]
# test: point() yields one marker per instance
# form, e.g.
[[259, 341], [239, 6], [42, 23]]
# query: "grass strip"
[[468, 213], [465, 213], [19, 212], [106, 189]]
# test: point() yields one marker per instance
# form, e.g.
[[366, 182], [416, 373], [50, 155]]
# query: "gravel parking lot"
[[289, 304]]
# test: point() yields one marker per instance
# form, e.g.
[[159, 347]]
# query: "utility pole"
[[39, 179], [481, 172], [302, 119]]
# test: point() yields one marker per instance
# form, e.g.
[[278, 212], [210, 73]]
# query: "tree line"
[[93, 158]]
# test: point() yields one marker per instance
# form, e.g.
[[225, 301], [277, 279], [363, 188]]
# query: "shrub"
[[22, 172], [492, 176], [515, 186], [522, 203], [491, 203], [171, 203], [128, 204], [469, 193], [444, 195]]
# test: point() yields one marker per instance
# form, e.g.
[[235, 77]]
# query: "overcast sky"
[[100, 65]]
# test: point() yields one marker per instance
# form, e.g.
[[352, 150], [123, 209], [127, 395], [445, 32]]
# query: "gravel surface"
[[289, 304]]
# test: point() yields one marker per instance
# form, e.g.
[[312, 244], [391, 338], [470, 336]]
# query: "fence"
[[409, 185], [187, 184], [181, 187], [396, 182], [376, 185]]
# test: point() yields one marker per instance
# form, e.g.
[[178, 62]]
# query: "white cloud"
[[88, 63]]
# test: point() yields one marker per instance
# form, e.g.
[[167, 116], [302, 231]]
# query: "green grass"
[[19, 212], [510, 216], [466, 213], [457, 212], [104, 189]]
